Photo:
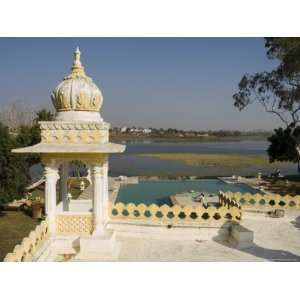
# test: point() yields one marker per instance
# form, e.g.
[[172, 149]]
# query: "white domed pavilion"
[[77, 133]]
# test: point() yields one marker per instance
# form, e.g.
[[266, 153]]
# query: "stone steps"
[[98, 248], [87, 194]]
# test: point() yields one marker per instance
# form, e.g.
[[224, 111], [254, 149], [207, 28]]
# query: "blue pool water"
[[158, 192]]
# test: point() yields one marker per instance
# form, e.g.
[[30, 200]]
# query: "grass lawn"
[[212, 160], [14, 226]]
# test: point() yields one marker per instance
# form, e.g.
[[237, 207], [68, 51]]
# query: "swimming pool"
[[158, 192]]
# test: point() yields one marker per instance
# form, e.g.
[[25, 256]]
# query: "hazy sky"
[[151, 82]]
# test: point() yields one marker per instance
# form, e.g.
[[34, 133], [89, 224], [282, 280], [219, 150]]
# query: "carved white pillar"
[[64, 172], [89, 174], [98, 198], [51, 174], [105, 189]]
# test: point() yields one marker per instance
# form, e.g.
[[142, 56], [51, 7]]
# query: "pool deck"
[[188, 199], [274, 240]]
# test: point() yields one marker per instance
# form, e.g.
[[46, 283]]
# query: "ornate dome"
[[77, 92]]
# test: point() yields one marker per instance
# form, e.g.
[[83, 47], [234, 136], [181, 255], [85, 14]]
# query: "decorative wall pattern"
[[52, 125], [30, 244], [74, 133], [227, 210], [274, 201], [66, 224]]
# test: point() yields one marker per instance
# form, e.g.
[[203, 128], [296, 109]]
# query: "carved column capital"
[[51, 171]]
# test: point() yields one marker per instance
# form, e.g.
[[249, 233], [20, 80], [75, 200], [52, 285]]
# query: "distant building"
[[190, 134], [147, 130], [136, 130]]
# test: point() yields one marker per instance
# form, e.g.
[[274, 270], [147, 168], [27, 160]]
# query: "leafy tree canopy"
[[14, 175], [282, 146], [31, 135], [278, 91]]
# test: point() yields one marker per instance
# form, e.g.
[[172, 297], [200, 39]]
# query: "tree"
[[278, 91], [43, 115], [31, 135], [16, 114], [14, 175], [282, 147]]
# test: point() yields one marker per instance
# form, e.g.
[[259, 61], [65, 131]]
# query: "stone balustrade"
[[274, 201], [227, 210], [79, 223], [30, 244]]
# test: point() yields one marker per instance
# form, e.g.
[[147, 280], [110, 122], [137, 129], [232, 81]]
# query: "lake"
[[129, 163]]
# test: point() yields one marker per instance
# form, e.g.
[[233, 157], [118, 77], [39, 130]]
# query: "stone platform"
[[274, 240]]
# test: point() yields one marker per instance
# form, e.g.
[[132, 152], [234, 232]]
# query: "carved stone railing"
[[74, 224], [227, 210], [29, 245], [274, 201]]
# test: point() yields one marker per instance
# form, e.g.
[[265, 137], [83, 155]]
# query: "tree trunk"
[[298, 157]]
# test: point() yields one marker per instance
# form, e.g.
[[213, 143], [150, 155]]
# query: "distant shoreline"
[[212, 139]]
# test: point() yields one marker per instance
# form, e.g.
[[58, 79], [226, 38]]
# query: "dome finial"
[[77, 57], [77, 68]]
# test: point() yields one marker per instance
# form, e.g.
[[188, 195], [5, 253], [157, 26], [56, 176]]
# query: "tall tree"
[[16, 114], [14, 175], [28, 135], [278, 91]]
